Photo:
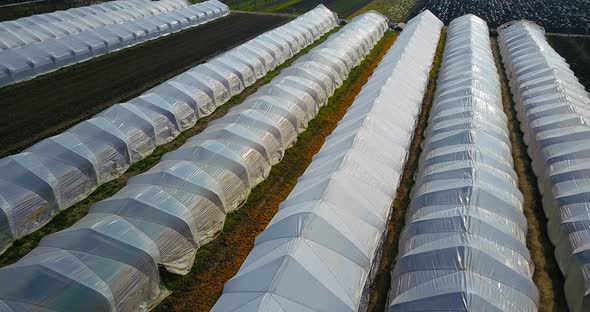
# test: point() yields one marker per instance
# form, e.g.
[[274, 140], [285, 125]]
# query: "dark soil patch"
[[49, 104], [576, 51], [342, 8]]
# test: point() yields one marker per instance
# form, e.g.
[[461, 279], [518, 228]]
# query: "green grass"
[[260, 5], [342, 7], [71, 215], [28, 9], [395, 10]]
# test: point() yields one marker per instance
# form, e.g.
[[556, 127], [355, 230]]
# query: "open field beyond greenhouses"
[[395, 10], [67, 96], [11, 12], [556, 16], [342, 8], [576, 51]]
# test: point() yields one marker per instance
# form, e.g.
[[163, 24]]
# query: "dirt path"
[[220, 260], [547, 276], [47, 105], [380, 287]]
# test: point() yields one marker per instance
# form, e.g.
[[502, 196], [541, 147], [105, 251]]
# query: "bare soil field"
[[395, 10], [576, 51], [46, 105]]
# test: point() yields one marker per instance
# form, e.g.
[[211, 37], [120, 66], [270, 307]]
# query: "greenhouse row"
[[320, 250], [108, 261], [464, 243], [60, 171], [552, 107], [36, 45], [41, 27]]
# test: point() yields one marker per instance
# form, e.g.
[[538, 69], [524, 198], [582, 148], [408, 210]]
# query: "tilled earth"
[[47, 105]]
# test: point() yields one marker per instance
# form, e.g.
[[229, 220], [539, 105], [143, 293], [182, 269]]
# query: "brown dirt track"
[[47, 105]]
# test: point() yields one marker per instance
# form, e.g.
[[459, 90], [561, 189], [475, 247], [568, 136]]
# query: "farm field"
[[576, 51], [8, 13], [342, 8], [65, 97], [70, 216], [395, 10], [556, 16]]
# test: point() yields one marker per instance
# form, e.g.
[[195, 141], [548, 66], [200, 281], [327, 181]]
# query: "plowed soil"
[[49, 104]]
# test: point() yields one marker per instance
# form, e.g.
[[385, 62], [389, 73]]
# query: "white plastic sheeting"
[[553, 109], [319, 251], [464, 244], [108, 260], [35, 45], [60, 171]]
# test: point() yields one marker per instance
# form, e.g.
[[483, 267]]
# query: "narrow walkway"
[[547, 277], [380, 287], [219, 260]]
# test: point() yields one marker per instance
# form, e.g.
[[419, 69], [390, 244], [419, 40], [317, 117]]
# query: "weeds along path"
[[547, 276], [219, 260], [71, 215], [381, 283]]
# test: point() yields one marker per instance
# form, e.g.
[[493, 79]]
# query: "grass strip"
[[395, 10], [380, 287], [220, 260], [547, 276], [71, 215]]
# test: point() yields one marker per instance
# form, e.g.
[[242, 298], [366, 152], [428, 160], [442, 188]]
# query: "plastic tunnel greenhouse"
[[109, 259], [553, 109], [319, 251], [463, 247], [38, 44], [58, 172]]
